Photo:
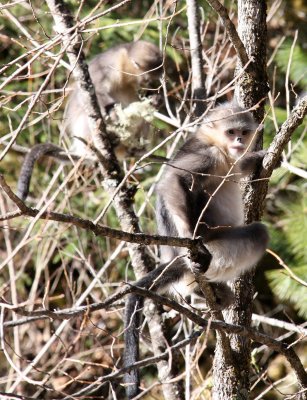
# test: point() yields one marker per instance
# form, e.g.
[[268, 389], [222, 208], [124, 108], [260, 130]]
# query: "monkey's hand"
[[252, 161], [200, 258], [156, 100]]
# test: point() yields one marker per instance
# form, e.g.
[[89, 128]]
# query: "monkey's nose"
[[239, 139]]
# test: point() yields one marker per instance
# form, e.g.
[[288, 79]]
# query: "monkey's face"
[[147, 60], [238, 141], [230, 128], [150, 71]]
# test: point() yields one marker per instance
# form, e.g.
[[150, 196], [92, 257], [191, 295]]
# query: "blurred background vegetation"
[[56, 263]]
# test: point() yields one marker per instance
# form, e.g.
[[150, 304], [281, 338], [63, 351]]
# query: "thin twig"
[[285, 266], [280, 324], [231, 31], [198, 79], [221, 326]]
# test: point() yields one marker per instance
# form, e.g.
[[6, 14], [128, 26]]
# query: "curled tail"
[[34, 154]]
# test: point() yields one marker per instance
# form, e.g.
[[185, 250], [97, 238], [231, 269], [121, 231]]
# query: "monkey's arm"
[[252, 161], [176, 203], [181, 185]]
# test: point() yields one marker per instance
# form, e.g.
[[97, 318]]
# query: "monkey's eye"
[[244, 133], [230, 132]]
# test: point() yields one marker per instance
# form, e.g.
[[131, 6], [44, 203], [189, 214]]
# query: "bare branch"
[[242, 331], [198, 80], [113, 175], [280, 324], [220, 326], [231, 30], [97, 229], [283, 136]]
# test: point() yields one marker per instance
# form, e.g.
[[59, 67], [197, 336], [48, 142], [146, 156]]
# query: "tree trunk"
[[231, 381]]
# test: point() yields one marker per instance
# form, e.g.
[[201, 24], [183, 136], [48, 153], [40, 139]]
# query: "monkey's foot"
[[200, 258]]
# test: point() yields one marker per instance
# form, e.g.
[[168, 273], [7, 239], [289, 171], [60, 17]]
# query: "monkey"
[[199, 196], [117, 75]]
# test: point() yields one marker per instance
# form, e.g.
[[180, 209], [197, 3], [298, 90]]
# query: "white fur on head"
[[231, 116]]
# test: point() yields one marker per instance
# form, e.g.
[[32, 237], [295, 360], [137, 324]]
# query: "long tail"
[[131, 354], [159, 280], [34, 154]]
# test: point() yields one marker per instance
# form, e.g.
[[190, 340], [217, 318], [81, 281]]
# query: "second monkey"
[[117, 75]]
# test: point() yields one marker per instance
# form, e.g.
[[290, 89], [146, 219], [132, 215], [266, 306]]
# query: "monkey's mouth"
[[238, 147]]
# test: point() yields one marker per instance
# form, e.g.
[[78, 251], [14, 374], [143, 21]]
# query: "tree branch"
[[98, 229], [242, 331], [283, 136], [232, 380], [198, 80], [258, 190], [280, 324], [231, 30], [112, 173], [220, 326]]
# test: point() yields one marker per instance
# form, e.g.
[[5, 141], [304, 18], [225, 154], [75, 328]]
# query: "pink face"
[[237, 141]]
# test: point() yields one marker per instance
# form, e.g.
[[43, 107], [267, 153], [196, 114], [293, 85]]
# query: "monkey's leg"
[[235, 250], [200, 262]]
